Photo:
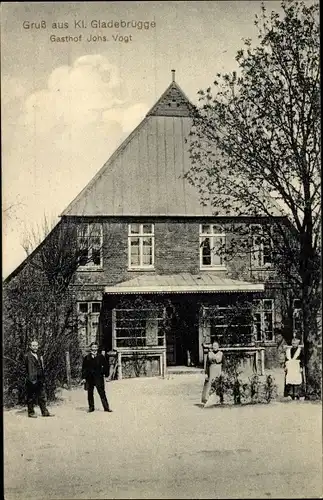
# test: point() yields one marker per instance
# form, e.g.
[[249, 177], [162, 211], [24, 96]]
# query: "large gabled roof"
[[145, 175]]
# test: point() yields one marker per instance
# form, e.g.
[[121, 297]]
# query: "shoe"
[[109, 410], [48, 415], [32, 415], [90, 410]]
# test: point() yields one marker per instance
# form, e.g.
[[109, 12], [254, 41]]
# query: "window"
[[297, 319], [90, 240], [261, 248], [228, 325], [141, 246], [137, 328], [263, 320], [88, 321], [212, 247]]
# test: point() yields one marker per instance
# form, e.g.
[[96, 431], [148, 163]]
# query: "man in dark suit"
[[94, 368], [35, 381]]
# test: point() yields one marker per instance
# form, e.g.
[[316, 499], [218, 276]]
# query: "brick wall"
[[177, 247], [176, 251]]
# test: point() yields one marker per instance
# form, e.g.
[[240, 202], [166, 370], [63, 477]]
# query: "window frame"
[[297, 316], [259, 249], [90, 335], [211, 235], [212, 323], [160, 316], [141, 235], [262, 311], [89, 266]]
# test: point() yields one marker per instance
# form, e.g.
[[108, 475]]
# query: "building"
[[155, 286]]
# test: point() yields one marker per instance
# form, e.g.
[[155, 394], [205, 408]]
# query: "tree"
[[32, 309], [39, 301], [255, 150]]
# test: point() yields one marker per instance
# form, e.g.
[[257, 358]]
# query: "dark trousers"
[[295, 391], [99, 384], [36, 394]]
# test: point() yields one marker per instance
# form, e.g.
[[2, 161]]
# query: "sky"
[[67, 105]]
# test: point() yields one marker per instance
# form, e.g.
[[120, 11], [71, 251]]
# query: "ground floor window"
[[88, 321], [228, 324], [239, 324], [297, 319], [263, 320], [138, 327]]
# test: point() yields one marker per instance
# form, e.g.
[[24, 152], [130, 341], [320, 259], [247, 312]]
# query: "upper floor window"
[[212, 246], [141, 246], [261, 247], [90, 242], [263, 320]]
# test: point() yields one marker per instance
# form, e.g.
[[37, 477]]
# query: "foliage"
[[255, 151], [237, 318], [136, 313], [32, 310], [38, 304], [232, 389], [66, 246], [138, 359], [233, 363], [39, 301]]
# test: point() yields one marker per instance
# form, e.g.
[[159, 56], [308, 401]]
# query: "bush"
[[32, 310], [231, 389]]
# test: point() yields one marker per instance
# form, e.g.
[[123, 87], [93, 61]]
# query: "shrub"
[[33, 310], [233, 390]]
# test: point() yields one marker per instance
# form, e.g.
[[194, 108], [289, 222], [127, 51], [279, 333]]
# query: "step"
[[180, 370]]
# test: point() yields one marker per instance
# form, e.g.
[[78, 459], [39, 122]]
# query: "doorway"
[[182, 336]]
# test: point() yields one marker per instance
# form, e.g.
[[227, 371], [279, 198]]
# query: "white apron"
[[293, 367]]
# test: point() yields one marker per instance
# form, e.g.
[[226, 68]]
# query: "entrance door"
[[182, 339], [171, 348]]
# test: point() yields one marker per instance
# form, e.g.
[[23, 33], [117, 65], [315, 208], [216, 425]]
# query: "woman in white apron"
[[294, 370], [213, 369]]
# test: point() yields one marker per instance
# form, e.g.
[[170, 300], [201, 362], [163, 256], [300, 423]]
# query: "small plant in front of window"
[[233, 390], [270, 388], [254, 383], [219, 386], [245, 392], [236, 392]]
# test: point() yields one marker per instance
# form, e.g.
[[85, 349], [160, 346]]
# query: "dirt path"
[[159, 443]]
